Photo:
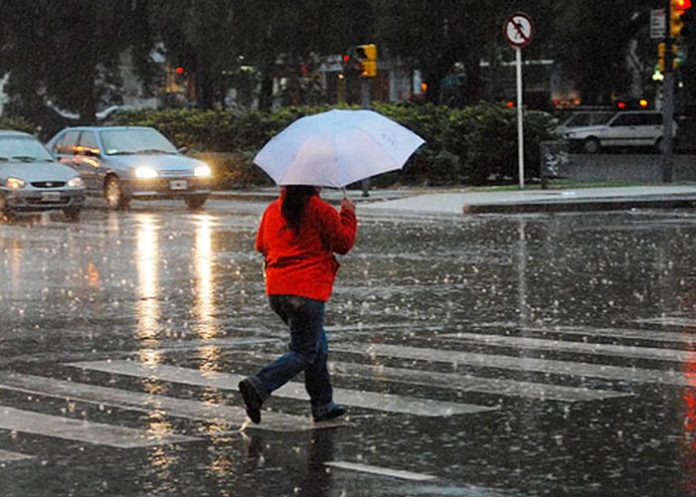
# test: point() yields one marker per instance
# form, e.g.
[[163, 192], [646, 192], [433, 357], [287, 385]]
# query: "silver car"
[[32, 181], [123, 163]]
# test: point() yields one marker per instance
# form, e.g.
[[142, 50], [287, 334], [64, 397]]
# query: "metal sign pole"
[[520, 129], [519, 30]]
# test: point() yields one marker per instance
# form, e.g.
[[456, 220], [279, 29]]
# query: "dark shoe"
[[334, 413], [252, 401]]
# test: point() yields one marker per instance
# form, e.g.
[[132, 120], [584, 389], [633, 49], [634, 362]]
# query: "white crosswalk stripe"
[[669, 321], [589, 370], [624, 333], [378, 470], [7, 456], [580, 347], [83, 431], [293, 390], [183, 408], [467, 383]]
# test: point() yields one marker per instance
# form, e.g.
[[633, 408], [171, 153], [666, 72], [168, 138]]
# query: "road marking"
[[170, 406], [376, 470], [668, 321], [628, 333], [7, 456], [467, 383], [581, 347], [292, 390], [173, 346], [589, 370], [83, 431]]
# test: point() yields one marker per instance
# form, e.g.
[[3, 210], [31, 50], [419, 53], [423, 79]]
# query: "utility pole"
[[668, 98]]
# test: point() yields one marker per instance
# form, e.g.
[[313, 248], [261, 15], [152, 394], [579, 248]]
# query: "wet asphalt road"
[[493, 355]]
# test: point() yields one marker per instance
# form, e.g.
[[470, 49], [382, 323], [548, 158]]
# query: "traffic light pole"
[[668, 99], [365, 101]]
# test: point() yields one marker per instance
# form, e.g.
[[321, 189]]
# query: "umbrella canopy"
[[337, 148]]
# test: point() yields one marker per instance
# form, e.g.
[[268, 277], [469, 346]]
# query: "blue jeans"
[[307, 351]]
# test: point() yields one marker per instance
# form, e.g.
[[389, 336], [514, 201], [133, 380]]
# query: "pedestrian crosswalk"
[[232, 416], [514, 363], [83, 431], [497, 349], [291, 390], [468, 383]]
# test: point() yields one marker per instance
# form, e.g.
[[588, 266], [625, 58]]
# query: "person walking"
[[299, 235]]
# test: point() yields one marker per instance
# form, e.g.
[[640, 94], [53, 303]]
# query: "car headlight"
[[145, 172], [14, 183], [202, 172], [76, 182]]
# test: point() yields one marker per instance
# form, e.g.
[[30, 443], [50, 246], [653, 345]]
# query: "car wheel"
[[113, 194], [591, 146], [195, 201], [5, 212], [72, 213]]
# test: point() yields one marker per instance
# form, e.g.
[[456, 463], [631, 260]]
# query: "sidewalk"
[[433, 201]]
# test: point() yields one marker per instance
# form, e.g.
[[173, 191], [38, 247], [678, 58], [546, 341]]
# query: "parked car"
[[584, 118], [123, 163], [31, 180], [624, 129]]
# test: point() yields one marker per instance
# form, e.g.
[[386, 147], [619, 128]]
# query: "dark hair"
[[294, 203]]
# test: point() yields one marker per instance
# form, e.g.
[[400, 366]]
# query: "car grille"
[[48, 184], [177, 174]]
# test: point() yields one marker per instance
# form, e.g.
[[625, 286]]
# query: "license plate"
[[180, 184], [50, 196]]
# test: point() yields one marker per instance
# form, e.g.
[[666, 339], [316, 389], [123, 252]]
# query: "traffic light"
[[676, 56], [368, 57], [676, 17]]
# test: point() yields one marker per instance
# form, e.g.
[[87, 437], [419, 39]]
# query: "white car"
[[624, 129]]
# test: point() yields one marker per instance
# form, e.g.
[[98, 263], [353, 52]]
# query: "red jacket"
[[304, 265]]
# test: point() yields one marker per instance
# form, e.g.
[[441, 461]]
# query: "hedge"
[[474, 145], [470, 146]]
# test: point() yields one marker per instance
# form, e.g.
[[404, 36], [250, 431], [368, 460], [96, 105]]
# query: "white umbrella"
[[337, 148]]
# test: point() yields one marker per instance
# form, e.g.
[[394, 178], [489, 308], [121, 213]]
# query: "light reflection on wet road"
[[490, 303]]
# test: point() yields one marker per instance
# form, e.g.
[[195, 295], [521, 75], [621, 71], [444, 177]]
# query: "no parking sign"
[[518, 30]]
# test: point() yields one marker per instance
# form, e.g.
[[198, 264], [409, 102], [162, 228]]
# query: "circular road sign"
[[518, 30]]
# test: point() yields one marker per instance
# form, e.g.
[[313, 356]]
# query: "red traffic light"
[[682, 4], [346, 58], [180, 70], [621, 104]]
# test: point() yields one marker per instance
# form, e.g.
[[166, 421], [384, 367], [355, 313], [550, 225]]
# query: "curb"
[[579, 206]]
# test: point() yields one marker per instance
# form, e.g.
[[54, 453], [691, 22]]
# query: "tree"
[[277, 36], [202, 36], [69, 52], [592, 42], [440, 33]]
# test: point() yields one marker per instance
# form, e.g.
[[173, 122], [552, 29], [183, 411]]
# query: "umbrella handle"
[[345, 194]]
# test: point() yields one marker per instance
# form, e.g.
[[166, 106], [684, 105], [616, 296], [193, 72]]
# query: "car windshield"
[[587, 119], [22, 149], [135, 141]]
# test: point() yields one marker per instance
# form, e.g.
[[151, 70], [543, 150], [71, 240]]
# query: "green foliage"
[[17, 124], [473, 145]]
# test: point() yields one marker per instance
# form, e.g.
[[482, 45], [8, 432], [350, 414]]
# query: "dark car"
[[123, 163], [32, 181]]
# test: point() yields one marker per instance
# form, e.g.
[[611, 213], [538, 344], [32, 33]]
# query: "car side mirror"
[[183, 150]]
